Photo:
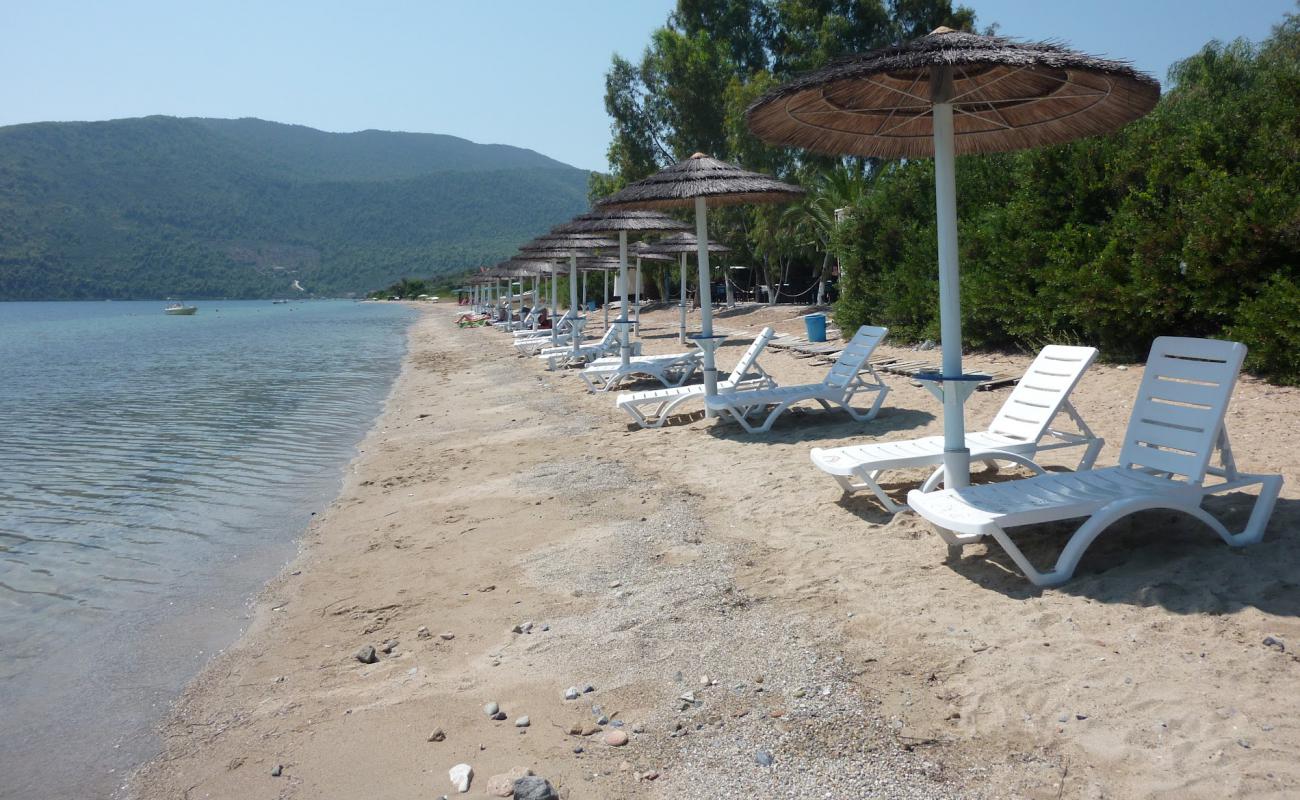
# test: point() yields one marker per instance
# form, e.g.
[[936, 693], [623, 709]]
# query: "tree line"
[[1185, 222]]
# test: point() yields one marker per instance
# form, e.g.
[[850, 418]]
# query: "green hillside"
[[162, 206]]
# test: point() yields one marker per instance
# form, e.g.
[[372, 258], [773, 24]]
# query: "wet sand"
[[833, 638]]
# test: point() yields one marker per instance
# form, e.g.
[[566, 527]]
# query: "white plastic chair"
[[672, 369], [561, 324], [660, 403], [607, 344], [1016, 435], [841, 384], [1175, 429]]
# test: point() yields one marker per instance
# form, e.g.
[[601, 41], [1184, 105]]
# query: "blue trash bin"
[[816, 325]]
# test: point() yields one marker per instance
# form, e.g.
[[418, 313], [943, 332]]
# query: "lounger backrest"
[[1038, 397], [608, 338], [746, 362], [1180, 405], [854, 356]]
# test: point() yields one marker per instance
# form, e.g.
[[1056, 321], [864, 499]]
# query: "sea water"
[[155, 471]]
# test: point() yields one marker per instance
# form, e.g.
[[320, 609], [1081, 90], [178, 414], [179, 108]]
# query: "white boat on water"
[[180, 310]]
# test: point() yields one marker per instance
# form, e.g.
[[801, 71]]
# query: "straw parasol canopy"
[[646, 251], [682, 243], [614, 220], [701, 181], [947, 93], [701, 176], [1005, 95]]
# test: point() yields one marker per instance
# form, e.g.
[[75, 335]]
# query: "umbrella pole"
[[537, 301], [555, 306], [956, 456], [584, 290], [578, 320], [706, 340], [681, 326], [638, 296], [624, 343], [605, 306]]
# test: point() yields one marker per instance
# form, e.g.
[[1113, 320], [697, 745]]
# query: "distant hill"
[[161, 206]]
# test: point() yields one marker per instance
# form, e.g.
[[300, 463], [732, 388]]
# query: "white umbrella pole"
[[706, 341], [638, 296], [555, 307], [537, 300], [624, 343], [605, 305], [956, 457], [681, 326], [584, 290], [576, 325]]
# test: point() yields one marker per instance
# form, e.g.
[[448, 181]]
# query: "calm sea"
[[155, 471]]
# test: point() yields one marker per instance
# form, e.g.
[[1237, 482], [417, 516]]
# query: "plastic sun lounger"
[[562, 324], [608, 343], [673, 369], [519, 324], [1175, 429], [842, 382], [662, 402], [1016, 434]]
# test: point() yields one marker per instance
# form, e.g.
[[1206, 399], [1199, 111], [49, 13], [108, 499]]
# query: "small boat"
[[180, 310]]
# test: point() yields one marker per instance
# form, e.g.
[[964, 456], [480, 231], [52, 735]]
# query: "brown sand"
[[492, 492]]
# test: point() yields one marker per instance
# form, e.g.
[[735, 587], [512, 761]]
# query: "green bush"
[[1269, 324]]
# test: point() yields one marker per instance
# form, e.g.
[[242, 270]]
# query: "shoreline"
[[491, 493]]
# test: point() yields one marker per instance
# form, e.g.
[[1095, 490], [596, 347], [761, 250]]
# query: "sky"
[[528, 73]]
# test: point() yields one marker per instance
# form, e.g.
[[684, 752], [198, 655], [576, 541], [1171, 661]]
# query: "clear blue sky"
[[522, 73]]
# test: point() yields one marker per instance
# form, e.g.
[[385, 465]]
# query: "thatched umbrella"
[[699, 181], [945, 94], [570, 246], [683, 243], [622, 221]]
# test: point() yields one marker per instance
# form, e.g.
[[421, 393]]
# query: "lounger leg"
[[870, 414], [1090, 454], [870, 482]]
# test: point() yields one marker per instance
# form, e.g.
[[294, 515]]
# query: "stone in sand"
[[389, 646], [460, 776], [522, 722], [1275, 643], [277, 770], [491, 709], [438, 735], [503, 784], [615, 738], [423, 633], [534, 788], [763, 758], [500, 715], [447, 636], [571, 693], [366, 655]]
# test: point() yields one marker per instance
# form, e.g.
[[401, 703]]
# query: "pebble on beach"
[[615, 738], [571, 693], [522, 722], [277, 770], [366, 655], [460, 776], [534, 788], [763, 758], [491, 709], [438, 735], [503, 783], [422, 632], [447, 636]]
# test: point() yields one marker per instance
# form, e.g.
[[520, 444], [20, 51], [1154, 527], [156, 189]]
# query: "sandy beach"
[[727, 606]]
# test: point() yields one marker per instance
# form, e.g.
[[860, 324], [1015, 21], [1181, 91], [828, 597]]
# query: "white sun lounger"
[[562, 324], [842, 382], [660, 403], [1016, 434], [1176, 427], [672, 369], [607, 344]]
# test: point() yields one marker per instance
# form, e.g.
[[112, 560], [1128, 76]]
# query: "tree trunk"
[[823, 278]]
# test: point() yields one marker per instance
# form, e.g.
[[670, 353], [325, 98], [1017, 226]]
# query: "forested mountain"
[[162, 206]]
